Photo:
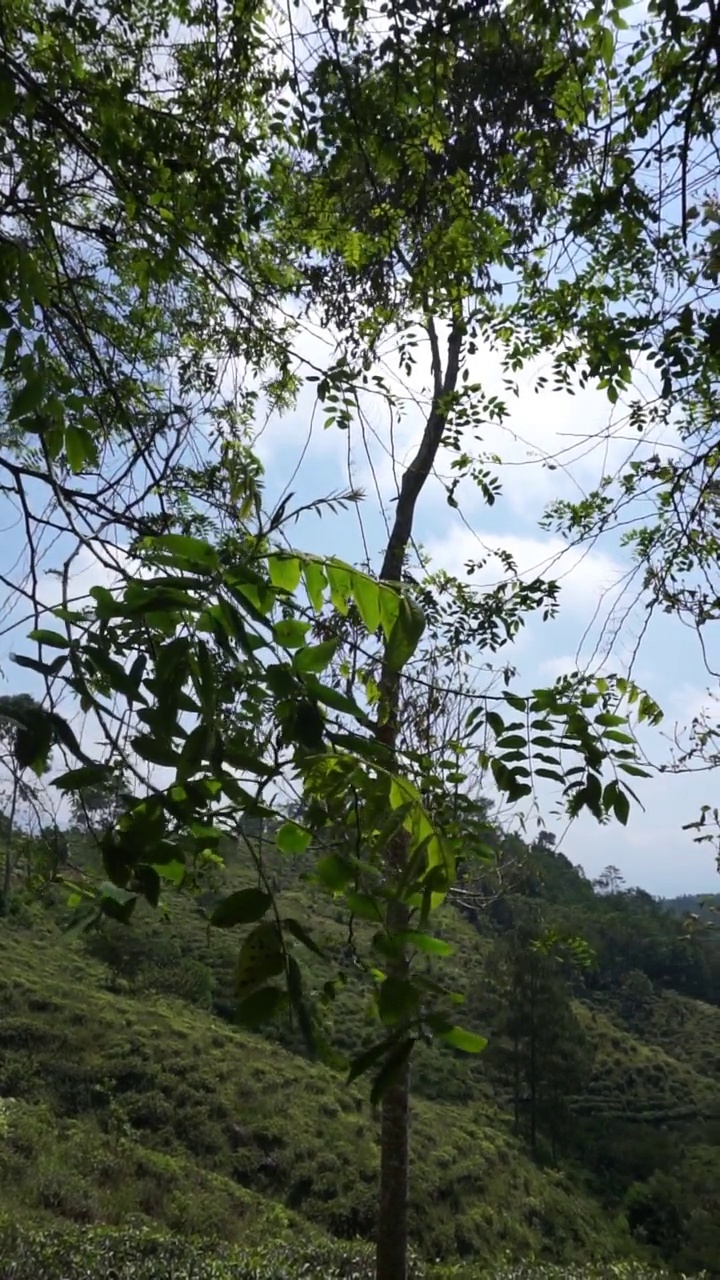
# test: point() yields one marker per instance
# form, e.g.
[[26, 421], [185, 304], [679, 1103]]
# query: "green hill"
[[704, 905], [130, 1100], [120, 1106]]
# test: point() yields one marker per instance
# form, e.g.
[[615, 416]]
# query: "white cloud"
[[552, 444], [586, 576]]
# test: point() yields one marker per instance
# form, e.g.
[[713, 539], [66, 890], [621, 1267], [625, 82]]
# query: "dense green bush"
[[133, 1254], [67, 1254]]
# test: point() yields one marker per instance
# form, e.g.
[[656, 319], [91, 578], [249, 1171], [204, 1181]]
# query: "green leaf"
[[390, 1071], [116, 902], [496, 723], [108, 668], [260, 958], [301, 934], [174, 871], [339, 578], [306, 724], [63, 734], [27, 399], [291, 632], [299, 1006], [148, 748], [330, 697], [398, 999], [285, 572], [621, 807], [12, 345], [405, 635], [315, 583], [80, 449], [292, 838], [363, 1061], [261, 1006], [315, 658], [183, 547], [91, 775], [49, 669], [335, 872], [243, 907], [53, 639], [516, 702], [366, 594], [197, 746], [607, 46], [467, 1041], [147, 882], [364, 906], [424, 942]]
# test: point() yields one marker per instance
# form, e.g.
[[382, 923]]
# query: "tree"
[[99, 806], [637, 229], [611, 881], [539, 1035], [416, 212], [20, 715]]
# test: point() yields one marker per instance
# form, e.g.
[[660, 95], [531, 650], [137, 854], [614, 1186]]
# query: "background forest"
[[297, 981]]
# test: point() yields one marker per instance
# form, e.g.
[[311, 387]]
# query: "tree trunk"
[[533, 1068], [392, 1236], [392, 1229], [8, 869], [516, 1083]]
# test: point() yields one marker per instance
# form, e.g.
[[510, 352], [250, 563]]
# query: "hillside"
[[704, 905], [120, 1106], [131, 1098]]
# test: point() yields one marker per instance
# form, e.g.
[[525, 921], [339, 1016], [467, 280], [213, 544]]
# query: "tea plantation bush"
[[73, 1253]]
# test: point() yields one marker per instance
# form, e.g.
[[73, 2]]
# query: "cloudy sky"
[[601, 624]]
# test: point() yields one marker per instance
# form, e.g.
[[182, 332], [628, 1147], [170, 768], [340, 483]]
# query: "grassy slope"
[[133, 1101], [127, 1107], [659, 1079]]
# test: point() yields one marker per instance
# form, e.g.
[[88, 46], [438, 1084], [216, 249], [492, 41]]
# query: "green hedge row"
[[80, 1253]]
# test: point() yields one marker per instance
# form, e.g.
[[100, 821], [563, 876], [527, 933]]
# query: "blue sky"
[[585, 436], [600, 619]]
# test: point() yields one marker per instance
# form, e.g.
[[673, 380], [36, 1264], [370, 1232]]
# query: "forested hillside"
[[706, 906], [589, 1128]]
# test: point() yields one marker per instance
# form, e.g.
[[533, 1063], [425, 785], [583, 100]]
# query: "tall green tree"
[[432, 159], [539, 1037]]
